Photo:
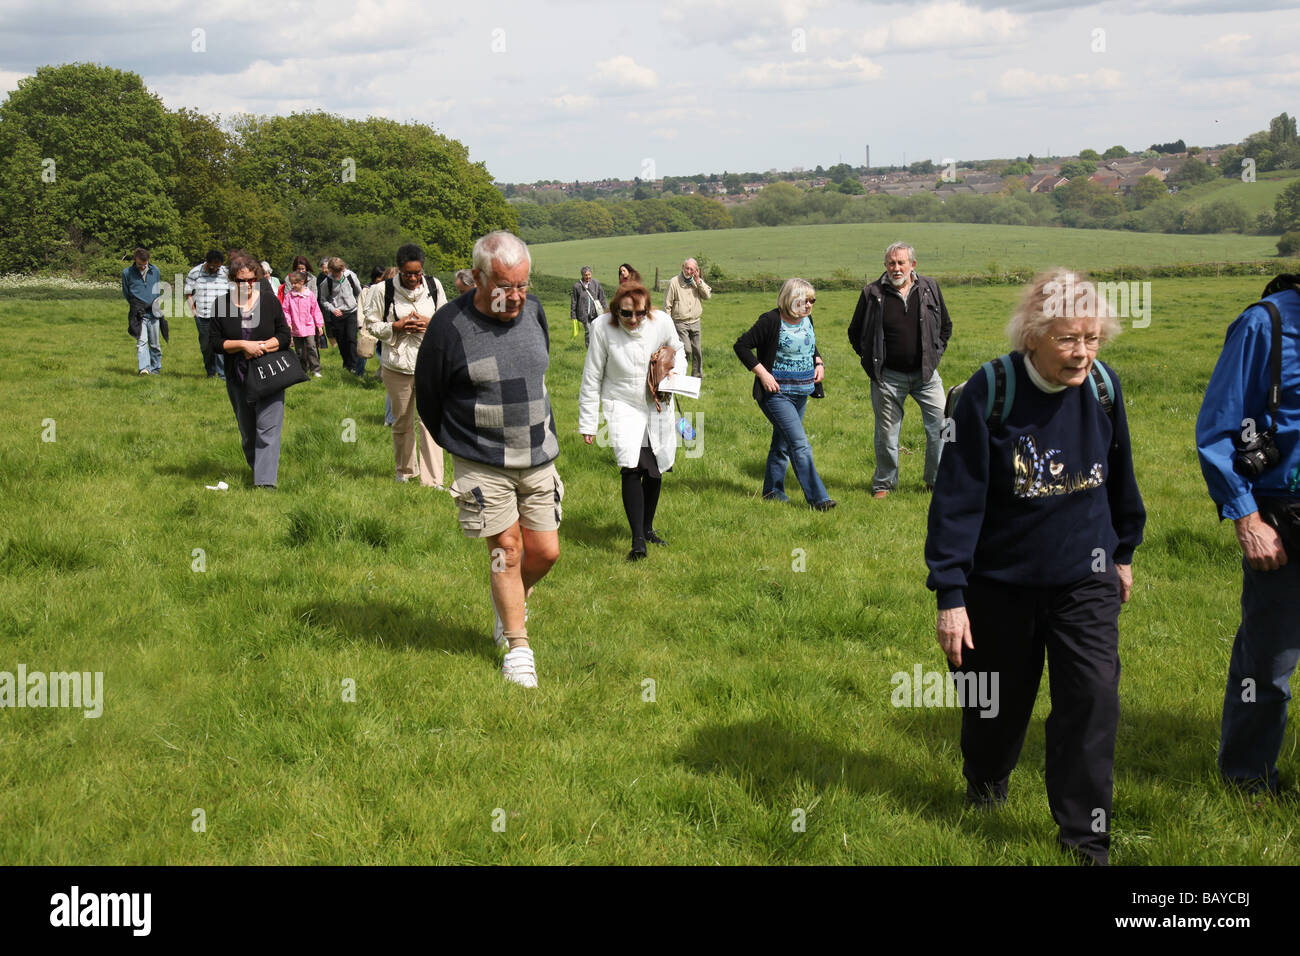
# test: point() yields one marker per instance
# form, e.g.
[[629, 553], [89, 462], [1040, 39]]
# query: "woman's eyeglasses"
[[639, 313]]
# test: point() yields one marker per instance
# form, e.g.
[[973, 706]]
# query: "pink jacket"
[[302, 314]]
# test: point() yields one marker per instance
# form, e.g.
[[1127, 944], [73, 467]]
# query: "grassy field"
[[859, 249], [1253, 197], [690, 705]]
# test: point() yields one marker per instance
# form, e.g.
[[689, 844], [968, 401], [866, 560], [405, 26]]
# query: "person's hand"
[[336, 312], [767, 381], [1125, 582], [1259, 543], [953, 632], [253, 349], [819, 372], [588, 438]]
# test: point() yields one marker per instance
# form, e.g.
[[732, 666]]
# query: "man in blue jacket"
[[900, 330], [1236, 409], [141, 286]]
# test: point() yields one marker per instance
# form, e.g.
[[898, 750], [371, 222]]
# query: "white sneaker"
[[518, 667], [499, 629], [315, 374]]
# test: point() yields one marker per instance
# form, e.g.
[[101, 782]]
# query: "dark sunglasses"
[[628, 313]]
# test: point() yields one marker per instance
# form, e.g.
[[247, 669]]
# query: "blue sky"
[[575, 90]]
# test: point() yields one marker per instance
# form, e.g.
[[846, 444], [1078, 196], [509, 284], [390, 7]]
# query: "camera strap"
[[1274, 364]]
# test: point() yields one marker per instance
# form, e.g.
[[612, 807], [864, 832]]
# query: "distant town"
[[1119, 174]]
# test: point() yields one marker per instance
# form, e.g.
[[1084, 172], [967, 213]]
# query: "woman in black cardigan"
[[248, 323], [787, 369]]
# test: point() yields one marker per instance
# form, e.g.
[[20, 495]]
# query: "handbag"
[[365, 344], [661, 366], [271, 373]]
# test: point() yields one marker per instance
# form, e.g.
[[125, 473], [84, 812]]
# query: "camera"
[[1256, 456]]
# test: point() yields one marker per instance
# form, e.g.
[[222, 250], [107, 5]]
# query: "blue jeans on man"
[[148, 353], [887, 397], [1264, 655], [789, 446]]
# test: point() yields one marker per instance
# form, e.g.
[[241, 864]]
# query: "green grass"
[[858, 249], [772, 686], [1253, 197]]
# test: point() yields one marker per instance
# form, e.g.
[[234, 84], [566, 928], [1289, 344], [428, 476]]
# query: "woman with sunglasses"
[[787, 369], [248, 323], [614, 381]]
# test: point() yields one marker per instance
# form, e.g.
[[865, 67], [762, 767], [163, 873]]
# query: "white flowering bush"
[[29, 281]]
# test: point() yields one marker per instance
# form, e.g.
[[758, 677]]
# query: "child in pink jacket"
[[303, 316]]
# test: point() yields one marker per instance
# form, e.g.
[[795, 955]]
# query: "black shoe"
[[826, 505], [637, 554], [653, 537], [987, 796]]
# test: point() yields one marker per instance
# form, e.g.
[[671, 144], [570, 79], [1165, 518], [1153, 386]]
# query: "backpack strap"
[[1102, 389], [1001, 377], [388, 297]]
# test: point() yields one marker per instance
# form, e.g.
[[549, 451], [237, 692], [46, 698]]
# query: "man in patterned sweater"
[[480, 389]]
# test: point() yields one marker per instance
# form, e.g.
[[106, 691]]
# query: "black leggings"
[[640, 499]]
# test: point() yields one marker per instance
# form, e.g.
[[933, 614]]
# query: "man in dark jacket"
[[587, 301], [900, 330]]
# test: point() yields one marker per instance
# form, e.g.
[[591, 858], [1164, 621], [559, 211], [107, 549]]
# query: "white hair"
[[896, 247], [500, 246]]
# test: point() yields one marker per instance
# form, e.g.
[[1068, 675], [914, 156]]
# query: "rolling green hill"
[[1253, 197], [858, 249]]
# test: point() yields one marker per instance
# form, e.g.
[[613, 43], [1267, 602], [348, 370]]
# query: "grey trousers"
[[689, 333], [259, 430]]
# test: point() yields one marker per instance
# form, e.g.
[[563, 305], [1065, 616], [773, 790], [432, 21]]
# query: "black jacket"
[[226, 324], [867, 331], [765, 336]]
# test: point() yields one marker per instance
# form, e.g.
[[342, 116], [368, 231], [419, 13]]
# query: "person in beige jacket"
[[400, 326], [686, 291]]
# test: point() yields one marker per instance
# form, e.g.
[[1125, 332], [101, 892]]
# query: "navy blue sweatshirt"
[[1036, 502]]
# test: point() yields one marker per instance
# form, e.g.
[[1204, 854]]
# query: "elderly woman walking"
[[1035, 517], [787, 370], [614, 380]]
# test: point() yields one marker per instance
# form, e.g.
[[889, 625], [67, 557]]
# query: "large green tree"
[[90, 158], [376, 167]]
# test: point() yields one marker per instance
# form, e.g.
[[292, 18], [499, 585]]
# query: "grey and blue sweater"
[[480, 385]]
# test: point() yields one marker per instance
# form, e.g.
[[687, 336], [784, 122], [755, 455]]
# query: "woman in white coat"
[[644, 438]]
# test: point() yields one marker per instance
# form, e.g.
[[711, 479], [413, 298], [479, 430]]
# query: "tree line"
[[92, 165]]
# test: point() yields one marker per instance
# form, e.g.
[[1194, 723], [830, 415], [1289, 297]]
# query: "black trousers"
[[343, 330], [1078, 627]]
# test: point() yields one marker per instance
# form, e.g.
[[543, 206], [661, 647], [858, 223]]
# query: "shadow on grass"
[[703, 483], [395, 626], [770, 760], [605, 535], [208, 470]]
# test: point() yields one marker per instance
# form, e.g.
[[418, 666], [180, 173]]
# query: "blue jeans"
[[789, 446], [887, 398], [148, 355], [1264, 654]]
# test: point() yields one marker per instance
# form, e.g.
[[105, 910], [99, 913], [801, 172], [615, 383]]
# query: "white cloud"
[[625, 73], [571, 102], [809, 74], [945, 25], [1020, 83], [1230, 43]]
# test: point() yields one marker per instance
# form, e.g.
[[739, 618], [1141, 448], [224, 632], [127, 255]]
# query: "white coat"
[[613, 382]]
